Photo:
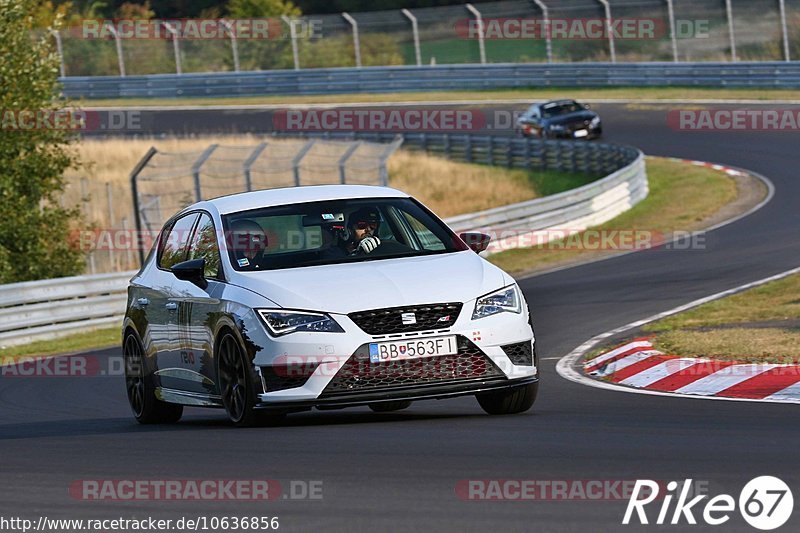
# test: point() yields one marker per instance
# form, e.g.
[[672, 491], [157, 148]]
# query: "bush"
[[34, 242]]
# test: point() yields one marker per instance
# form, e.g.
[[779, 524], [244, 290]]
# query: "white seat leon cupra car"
[[279, 301]]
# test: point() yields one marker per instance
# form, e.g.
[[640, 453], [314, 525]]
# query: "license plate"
[[381, 352], [581, 133]]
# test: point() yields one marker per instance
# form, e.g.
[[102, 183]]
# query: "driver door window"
[[204, 246]]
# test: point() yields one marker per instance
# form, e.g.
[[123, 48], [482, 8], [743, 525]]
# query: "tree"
[[34, 229]]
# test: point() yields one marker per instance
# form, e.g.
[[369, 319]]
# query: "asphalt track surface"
[[399, 471]]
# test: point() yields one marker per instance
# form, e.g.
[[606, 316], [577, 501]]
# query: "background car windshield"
[[319, 233], [563, 108]]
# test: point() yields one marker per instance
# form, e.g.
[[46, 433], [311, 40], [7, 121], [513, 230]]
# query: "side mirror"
[[477, 242], [192, 271]]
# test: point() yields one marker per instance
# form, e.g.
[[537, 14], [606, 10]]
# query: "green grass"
[[532, 94], [776, 301], [760, 325], [681, 197], [78, 342]]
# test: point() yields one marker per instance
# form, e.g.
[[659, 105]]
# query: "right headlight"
[[282, 322], [505, 300]]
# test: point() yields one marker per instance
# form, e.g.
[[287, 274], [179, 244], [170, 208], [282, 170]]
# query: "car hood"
[[348, 287], [578, 116]]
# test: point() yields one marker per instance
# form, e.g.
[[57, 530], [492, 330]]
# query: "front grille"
[[287, 376], [520, 353], [390, 320], [359, 375]]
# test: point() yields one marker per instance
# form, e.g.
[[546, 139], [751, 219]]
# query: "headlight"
[[595, 122], [506, 299], [282, 322]]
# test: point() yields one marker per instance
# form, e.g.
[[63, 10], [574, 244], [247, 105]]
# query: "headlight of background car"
[[282, 322], [595, 122], [505, 300]]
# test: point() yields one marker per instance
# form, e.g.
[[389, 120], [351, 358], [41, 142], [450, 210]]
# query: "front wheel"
[[509, 401], [141, 391]]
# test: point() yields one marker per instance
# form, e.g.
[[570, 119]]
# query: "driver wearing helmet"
[[363, 225]]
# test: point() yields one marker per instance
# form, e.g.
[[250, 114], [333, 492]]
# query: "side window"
[[204, 246], [174, 247], [426, 237]]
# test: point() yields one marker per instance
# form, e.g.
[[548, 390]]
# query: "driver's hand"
[[368, 244]]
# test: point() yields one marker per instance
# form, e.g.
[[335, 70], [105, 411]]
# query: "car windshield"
[[560, 108], [339, 231]]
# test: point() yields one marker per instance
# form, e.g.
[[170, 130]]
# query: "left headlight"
[[595, 122], [282, 322], [505, 300]]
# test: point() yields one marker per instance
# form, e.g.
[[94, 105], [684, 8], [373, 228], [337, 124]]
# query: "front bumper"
[[337, 372], [427, 392]]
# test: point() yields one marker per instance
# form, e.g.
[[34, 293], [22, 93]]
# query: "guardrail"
[[37, 310], [46, 309], [439, 78]]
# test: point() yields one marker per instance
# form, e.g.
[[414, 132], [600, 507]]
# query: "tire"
[[509, 401], [388, 407], [146, 408], [237, 386]]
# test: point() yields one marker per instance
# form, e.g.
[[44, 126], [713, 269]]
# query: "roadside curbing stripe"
[[638, 364]]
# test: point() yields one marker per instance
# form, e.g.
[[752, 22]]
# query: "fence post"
[[135, 194], [393, 146], [60, 50], [729, 10], [298, 158], [784, 30], [248, 164], [415, 33], [118, 43], [128, 254], [343, 161], [234, 44], [175, 46], [481, 31], [356, 40], [611, 47], [110, 199], [548, 40], [196, 166], [672, 35], [468, 148], [293, 35]]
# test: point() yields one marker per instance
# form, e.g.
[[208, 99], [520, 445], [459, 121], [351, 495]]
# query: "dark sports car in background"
[[560, 119]]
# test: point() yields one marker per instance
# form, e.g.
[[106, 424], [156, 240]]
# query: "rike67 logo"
[[765, 503]]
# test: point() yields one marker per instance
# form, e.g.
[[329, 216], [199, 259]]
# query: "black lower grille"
[[360, 375], [407, 319], [287, 376], [520, 353]]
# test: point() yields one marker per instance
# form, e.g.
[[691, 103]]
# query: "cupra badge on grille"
[[409, 318]]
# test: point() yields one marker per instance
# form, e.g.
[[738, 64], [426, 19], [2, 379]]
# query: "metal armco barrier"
[[438, 78], [38, 310]]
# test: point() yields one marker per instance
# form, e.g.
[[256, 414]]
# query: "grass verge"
[[622, 93], [682, 197], [89, 340], [759, 325]]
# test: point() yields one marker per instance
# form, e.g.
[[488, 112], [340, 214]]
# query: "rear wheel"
[[141, 391], [509, 401], [237, 386], [387, 407]]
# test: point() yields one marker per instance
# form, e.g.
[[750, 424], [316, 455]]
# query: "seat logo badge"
[[409, 318]]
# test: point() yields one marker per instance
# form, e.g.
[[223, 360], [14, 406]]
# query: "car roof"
[[557, 102], [296, 195]]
